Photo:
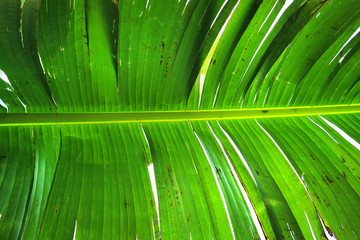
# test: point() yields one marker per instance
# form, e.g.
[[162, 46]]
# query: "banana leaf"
[[174, 119]]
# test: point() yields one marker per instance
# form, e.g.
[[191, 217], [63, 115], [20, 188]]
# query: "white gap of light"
[[272, 9], [342, 133], [282, 152], [41, 63], [346, 43], [291, 231], [318, 15], [201, 82], [0, 215], [227, 21], [217, 15], [237, 152], [277, 18], [74, 236], [143, 131], [154, 190], [22, 104], [243, 191], [323, 130], [147, 4], [52, 97], [4, 105], [342, 59], [152, 221], [327, 234], [187, 2], [312, 232], [255, 97], [5, 78], [216, 180], [207, 61], [267, 93], [290, 99], [216, 94]]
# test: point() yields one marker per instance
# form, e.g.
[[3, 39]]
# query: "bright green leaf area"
[[176, 119]]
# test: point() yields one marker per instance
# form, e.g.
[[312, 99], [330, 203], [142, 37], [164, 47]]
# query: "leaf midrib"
[[21, 119]]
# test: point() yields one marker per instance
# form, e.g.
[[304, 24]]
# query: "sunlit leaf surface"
[[175, 119]]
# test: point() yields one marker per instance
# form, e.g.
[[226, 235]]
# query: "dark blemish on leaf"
[[307, 36], [242, 59], [329, 179], [172, 203], [342, 159], [188, 219], [329, 230], [257, 172], [343, 174], [312, 156], [176, 192], [265, 111], [169, 196], [56, 210], [317, 196], [163, 45], [324, 180], [218, 170], [214, 62], [178, 203], [3, 157], [161, 61], [126, 204]]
